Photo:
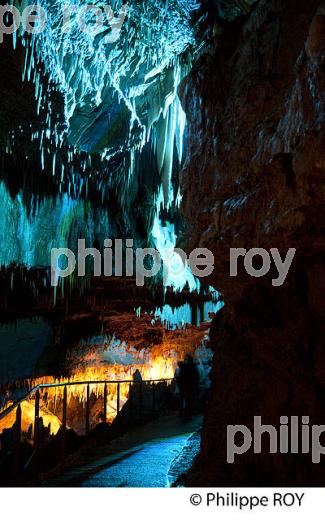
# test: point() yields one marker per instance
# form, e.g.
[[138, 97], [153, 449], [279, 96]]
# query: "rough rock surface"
[[254, 178]]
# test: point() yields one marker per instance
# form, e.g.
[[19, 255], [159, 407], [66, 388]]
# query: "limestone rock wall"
[[254, 178]]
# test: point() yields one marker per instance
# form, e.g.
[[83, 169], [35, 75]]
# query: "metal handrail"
[[36, 429], [75, 383]]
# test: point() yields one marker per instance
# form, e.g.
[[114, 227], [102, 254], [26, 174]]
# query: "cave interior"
[[177, 124]]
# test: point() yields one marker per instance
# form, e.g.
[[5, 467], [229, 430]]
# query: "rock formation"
[[254, 178]]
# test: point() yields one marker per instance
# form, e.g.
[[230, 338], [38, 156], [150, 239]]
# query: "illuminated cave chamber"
[[110, 132], [97, 156]]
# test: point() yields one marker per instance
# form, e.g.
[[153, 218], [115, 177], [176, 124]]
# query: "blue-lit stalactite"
[[29, 236], [114, 93], [177, 317], [119, 98]]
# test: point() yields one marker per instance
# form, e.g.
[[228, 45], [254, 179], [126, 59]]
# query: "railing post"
[[88, 411], [140, 399], [64, 422], [118, 400], [36, 431], [17, 440], [153, 396], [105, 404]]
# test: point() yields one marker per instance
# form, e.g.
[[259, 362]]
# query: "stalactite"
[[133, 83]]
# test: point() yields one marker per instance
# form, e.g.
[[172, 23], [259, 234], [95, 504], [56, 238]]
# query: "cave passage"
[[175, 130], [93, 150]]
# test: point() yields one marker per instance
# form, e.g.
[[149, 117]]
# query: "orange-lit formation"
[[158, 362]]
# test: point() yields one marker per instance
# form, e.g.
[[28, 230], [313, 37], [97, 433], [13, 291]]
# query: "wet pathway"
[[141, 458]]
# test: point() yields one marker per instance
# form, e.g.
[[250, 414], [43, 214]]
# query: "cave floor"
[[141, 458]]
